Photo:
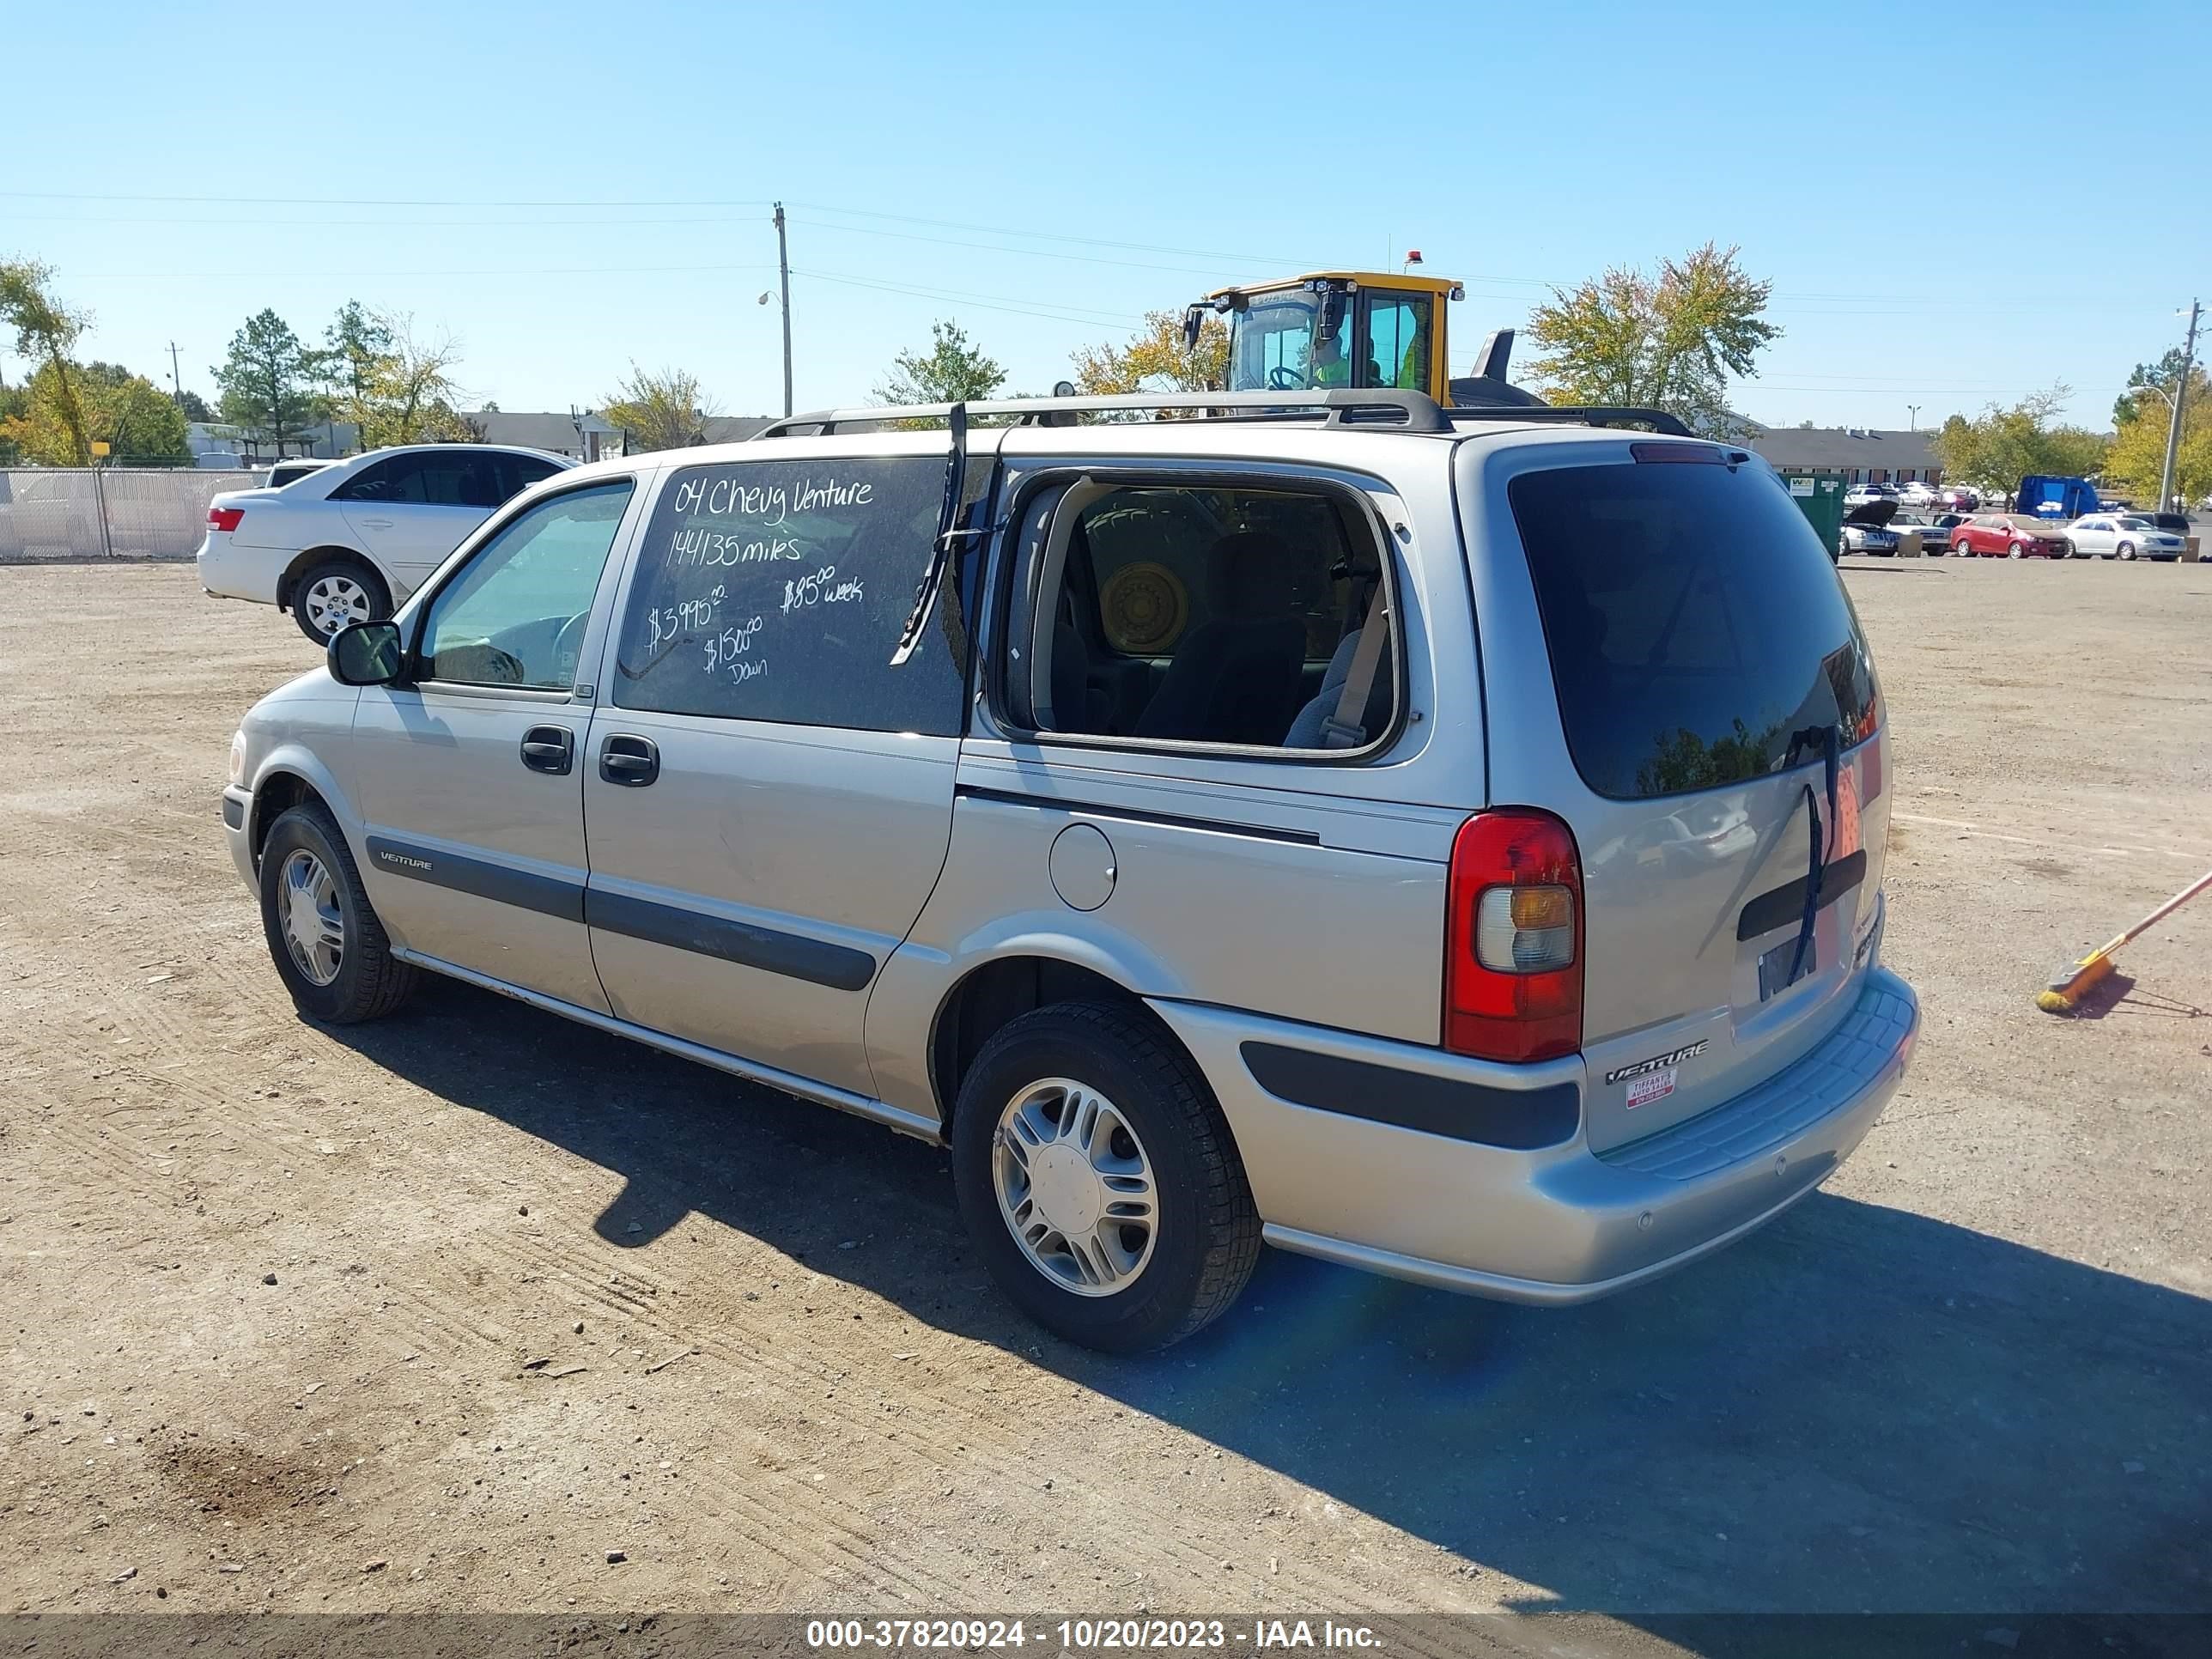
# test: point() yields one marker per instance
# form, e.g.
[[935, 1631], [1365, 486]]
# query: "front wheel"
[[2127, 549], [2016, 551], [330, 949], [335, 595], [1099, 1179]]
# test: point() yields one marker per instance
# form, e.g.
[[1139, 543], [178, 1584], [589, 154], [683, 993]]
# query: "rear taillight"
[[1513, 939], [225, 519]]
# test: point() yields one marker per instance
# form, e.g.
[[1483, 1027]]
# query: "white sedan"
[[349, 543], [2121, 536]]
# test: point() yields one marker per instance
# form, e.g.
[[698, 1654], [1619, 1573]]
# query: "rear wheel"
[[1099, 1180], [335, 595]]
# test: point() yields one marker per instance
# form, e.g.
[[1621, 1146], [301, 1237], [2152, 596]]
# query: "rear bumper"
[[1556, 1224], [231, 572]]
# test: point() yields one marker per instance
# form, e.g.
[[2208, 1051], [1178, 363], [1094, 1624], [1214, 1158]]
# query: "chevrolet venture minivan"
[[1445, 841]]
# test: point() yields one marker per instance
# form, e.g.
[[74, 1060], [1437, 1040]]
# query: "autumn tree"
[[952, 371], [1666, 340], [1997, 448], [665, 410], [2137, 460], [1155, 359], [265, 380], [46, 329]]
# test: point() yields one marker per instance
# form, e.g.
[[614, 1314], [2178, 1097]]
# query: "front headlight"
[[238, 757]]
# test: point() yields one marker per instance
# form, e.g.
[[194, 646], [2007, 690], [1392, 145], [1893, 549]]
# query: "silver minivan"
[[1445, 841]]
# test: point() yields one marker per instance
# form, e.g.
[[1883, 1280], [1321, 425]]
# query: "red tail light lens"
[[225, 519], [1513, 939]]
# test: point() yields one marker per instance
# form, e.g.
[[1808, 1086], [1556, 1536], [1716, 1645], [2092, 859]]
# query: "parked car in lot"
[[2123, 536], [351, 540], [1866, 494], [2009, 535], [1956, 498], [291, 472], [1866, 529], [1066, 867], [1934, 528], [1918, 492]]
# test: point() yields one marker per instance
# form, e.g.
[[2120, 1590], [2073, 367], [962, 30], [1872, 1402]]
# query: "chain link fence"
[[102, 512]]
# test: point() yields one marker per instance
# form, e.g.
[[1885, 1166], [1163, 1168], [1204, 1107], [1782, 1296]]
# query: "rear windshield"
[[1694, 621]]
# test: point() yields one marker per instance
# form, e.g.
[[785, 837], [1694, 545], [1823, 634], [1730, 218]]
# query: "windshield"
[[1273, 350]]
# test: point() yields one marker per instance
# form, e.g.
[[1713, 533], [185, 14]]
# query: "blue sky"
[[1956, 203]]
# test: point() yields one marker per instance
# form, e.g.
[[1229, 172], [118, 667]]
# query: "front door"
[[471, 772], [412, 509], [767, 800]]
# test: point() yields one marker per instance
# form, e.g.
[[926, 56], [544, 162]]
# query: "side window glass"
[[378, 482], [1207, 615], [1398, 341], [776, 590], [515, 615]]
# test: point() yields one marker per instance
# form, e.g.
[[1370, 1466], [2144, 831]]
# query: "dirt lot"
[[540, 1295]]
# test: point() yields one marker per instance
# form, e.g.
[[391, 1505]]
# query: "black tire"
[[370, 982], [1208, 1236], [339, 571], [2018, 551], [2126, 551]]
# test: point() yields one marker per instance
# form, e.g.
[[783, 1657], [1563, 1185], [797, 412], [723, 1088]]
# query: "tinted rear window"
[[1694, 623]]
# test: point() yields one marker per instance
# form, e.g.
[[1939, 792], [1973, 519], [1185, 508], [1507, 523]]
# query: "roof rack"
[[1338, 406], [1403, 411]]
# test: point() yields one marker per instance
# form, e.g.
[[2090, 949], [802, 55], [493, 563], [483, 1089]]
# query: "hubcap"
[[1075, 1187], [314, 930], [336, 602]]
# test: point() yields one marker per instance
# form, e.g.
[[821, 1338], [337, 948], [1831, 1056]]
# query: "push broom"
[[2066, 990]]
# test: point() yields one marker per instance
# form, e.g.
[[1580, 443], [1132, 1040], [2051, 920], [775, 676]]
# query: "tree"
[[265, 380], [1155, 359], [194, 406], [138, 422], [2163, 375], [412, 398], [667, 411], [356, 352], [1669, 341], [953, 371], [2136, 459], [45, 329], [2002, 445]]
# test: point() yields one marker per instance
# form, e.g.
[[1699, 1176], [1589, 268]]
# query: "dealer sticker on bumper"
[[1656, 1086]]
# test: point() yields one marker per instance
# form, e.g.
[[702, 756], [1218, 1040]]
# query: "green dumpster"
[[1821, 496]]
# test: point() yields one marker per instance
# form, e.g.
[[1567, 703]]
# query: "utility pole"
[[783, 285], [176, 384], [2181, 397], [1913, 409]]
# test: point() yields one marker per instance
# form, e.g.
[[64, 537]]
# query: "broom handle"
[[2163, 910]]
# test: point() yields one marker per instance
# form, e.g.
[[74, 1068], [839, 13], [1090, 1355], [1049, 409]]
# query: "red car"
[[2009, 535]]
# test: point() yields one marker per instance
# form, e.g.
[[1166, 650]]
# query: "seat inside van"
[[1210, 615]]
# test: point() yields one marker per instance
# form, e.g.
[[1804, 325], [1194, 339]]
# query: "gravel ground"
[[447, 1311]]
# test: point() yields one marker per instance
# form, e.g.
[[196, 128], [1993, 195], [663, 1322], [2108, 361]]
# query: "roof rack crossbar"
[[1415, 411], [1573, 415]]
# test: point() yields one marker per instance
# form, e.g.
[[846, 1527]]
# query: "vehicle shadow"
[[1858, 1409]]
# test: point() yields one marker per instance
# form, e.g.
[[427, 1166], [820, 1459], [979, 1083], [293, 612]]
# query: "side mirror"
[[366, 654]]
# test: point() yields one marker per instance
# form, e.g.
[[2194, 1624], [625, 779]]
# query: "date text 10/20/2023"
[[1089, 1635]]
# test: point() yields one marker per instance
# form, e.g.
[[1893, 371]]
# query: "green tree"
[[2160, 376], [138, 422], [410, 398], [46, 329], [2136, 459], [2002, 445], [951, 371], [1155, 359], [265, 380], [355, 355], [194, 405], [1668, 340], [666, 411]]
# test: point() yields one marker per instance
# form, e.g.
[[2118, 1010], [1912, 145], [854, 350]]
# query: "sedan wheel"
[[2017, 552], [335, 595], [2127, 549]]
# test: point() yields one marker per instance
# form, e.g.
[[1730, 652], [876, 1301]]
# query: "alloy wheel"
[[313, 925], [1075, 1187]]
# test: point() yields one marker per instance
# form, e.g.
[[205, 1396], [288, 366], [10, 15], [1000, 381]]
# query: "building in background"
[[1859, 453]]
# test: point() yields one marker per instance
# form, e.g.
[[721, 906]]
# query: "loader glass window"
[[1398, 341], [1205, 615], [1275, 345]]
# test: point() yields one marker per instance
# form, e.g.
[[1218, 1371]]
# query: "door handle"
[[550, 749], [631, 761], [376, 523]]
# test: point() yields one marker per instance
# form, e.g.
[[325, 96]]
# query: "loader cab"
[[1358, 329]]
